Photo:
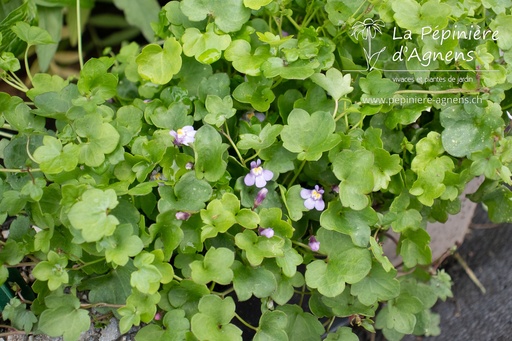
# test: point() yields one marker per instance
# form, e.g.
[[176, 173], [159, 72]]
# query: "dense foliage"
[[256, 150]]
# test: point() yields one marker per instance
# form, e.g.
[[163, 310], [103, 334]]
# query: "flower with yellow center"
[[313, 198]]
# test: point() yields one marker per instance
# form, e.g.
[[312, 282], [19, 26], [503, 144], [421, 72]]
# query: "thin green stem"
[[302, 294], [11, 170], [178, 278], [297, 173], [301, 245], [79, 34], [101, 304], [13, 83], [245, 323], [294, 23], [28, 151], [228, 136], [336, 105], [27, 67], [102, 259]]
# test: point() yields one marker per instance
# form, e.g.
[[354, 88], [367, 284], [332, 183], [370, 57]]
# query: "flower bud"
[[182, 215], [266, 232], [262, 194], [314, 244]]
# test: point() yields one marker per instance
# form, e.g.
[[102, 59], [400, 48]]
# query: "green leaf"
[[21, 318], [248, 281], [356, 224], [345, 305], [140, 14], [334, 82], [90, 214], [354, 185], [212, 321], [122, 245], [502, 23], [414, 247], [294, 202], [43, 83], [413, 16], [470, 128], [229, 15], [258, 248], [378, 253], [9, 62], [219, 110], [309, 135], [219, 215], [247, 218], [378, 285], [272, 326], [256, 92], [215, 267], [244, 59], [301, 326], [53, 158], [205, 47], [50, 19], [256, 4], [159, 64], [96, 81], [272, 217], [63, 317], [189, 194], [186, 295], [325, 277], [400, 315], [32, 35], [499, 204], [210, 154], [265, 139], [52, 270], [346, 263], [177, 326], [441, 282], [290, 260], [342, 334], [113, 287], [300, 69]]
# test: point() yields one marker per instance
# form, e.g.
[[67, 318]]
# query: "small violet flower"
[[183, 136], [314, 244], [157, 176], [258, 175], [266, 232], [158, 316], [313, 198], [262, 194]]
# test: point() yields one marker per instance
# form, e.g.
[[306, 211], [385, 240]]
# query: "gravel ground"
[[471, 315]]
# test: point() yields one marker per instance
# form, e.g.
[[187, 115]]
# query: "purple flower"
[[189, 165], [157, 176], [313, 198], [182, 215], [158, 316], [262, 194], [267, 232], [183, 136], [258, 175], [314, 244]]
